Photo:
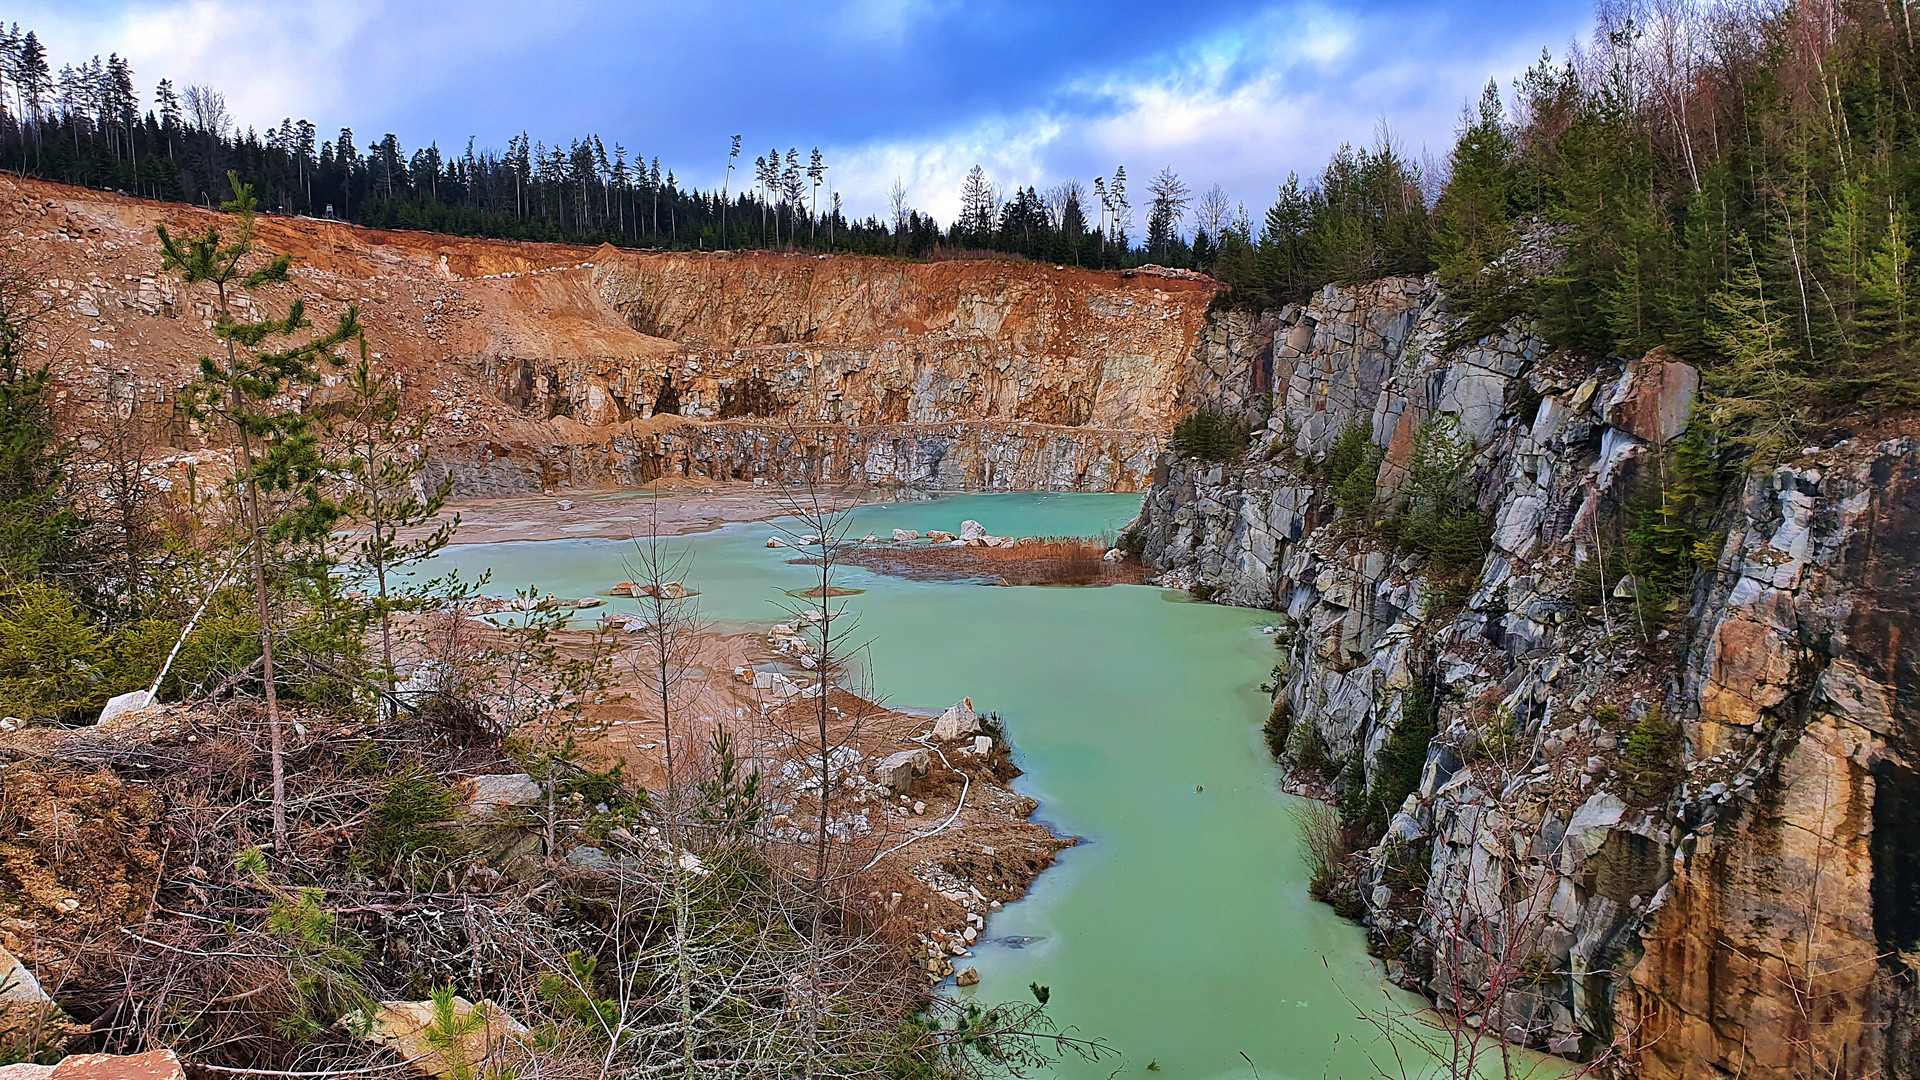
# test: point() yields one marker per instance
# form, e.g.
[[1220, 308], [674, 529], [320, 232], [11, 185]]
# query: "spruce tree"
[[385, 457], [276, 450]]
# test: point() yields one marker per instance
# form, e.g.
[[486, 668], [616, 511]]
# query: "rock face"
[[1739, 902], [535, 364]]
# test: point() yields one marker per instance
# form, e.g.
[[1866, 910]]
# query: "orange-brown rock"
[[542, 363]]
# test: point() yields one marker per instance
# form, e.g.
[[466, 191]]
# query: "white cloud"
[[298, 62], [1241, 109]]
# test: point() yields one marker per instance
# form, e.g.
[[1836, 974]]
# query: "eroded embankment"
[[540, 364], [1666, 821]]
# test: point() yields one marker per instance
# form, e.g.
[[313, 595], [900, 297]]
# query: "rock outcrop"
[[1729, 903], [538, 364]]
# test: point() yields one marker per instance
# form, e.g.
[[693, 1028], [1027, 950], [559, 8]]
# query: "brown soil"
[[1054, 561]]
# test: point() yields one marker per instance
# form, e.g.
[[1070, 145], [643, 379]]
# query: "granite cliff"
[[1669, 835]]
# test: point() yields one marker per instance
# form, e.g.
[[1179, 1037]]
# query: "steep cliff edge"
[[1670, 832], [542, 364]]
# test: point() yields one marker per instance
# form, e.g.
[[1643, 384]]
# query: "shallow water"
[[1180, 931]]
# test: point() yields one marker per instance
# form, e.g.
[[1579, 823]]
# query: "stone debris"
[[501, 791]]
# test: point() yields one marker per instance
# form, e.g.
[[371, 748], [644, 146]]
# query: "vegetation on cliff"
[[1732, 183]]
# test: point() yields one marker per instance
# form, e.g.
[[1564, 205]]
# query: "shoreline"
[[945, 839]]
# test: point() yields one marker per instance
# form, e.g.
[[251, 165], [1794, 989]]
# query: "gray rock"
[[494, 793], [896, 772]]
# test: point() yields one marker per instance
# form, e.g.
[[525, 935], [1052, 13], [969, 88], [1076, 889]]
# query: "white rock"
[[564, 504], [958, 722], [972, 530], [982, 744], [903, 535], [896, 772], [130, 703], [17, 984]]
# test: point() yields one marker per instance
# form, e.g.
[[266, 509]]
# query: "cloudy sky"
[[1228, 92]]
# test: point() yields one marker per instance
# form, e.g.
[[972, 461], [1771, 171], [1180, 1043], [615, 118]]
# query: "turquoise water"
[[1179, 931]]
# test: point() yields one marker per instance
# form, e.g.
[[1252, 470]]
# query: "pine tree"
[[39, 526], [1757, 393], [385, 453], [1169, 208], [277, 452], [976, 206]]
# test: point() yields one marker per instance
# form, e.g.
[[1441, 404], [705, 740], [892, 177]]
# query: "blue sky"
[[1235, 93]]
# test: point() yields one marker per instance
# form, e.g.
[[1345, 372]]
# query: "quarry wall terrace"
[[543, 363]]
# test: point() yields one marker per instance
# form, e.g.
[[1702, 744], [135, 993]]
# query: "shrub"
[[1351, 472], [1440, 520], [1402, 760], [55, 663], [1309, 751], [225, 642], [1279, 726], [1652, 764], [1670, 518], [1211, 436], [407, 817]]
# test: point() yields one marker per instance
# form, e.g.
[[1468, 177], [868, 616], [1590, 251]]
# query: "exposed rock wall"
[[535, 363], [1744, 917], [926, 457]]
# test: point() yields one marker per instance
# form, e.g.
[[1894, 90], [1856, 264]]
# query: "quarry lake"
[[1179, 930]]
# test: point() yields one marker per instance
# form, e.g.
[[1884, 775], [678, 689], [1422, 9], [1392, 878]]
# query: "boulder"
[[972, 530], [499, 791], [131, 703], [405, 1026], [897, 772], [967, 977], [563, 504], [25, 1008], [904, 535], [983, 744], [958, 722], [775, 542], [625, 588], [1658, 400], [939, 537], [152, 1065]]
